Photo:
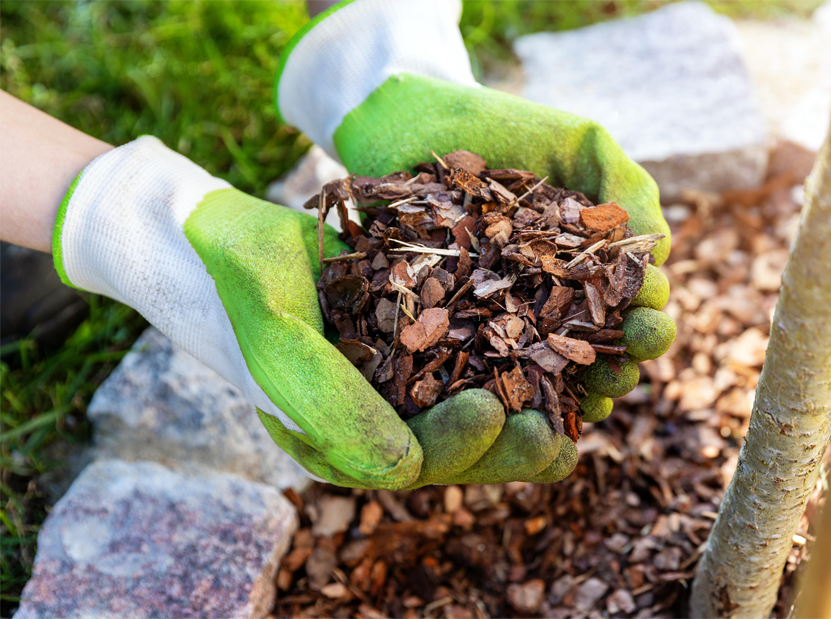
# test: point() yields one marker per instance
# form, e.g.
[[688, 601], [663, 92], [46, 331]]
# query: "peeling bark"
[[740, 571]]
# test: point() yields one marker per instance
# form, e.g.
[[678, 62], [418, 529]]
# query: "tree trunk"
[[814, 598], [740, 571]]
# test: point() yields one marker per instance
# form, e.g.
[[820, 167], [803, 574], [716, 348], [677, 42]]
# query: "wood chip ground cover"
[[464, 277], [622, 536]]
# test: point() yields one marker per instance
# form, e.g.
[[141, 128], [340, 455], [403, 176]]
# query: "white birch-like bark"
[[740, 571]]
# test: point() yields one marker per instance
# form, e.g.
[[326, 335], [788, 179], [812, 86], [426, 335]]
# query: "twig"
[[421, 249], [582, 256], [440, 160], [460, 293], [527, 193], [636, 240], [402, 201], [358, 255], [395, 324], [402, 290]]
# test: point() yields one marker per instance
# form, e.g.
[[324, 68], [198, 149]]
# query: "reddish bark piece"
[[517, 389], [385, 314], [466, 181], [432, 366], [461, 362], [559, 298], [478, 312], [402, 274], [431, 292], [402, 370], [548, 359], [594, 296], [431, 326], [552, 405], [614, 364], [570, 426], [505, 175], [425, 391], [501, 194], [555, 266], [465, 265], [605, 335], [578, 351], [570, 211], [348, 293], [603, 217], [511, 326], [463, 230], [356, 351], [500, 230], [526, 598], [468, 161], [609, 349]]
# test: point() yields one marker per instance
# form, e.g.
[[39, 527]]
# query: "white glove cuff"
[[349, 54], [121, 234]]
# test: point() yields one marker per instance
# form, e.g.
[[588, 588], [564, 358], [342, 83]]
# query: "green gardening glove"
[[381, 101], [232, 280]]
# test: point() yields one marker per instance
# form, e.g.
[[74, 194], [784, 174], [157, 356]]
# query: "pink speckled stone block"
[[136, 540]]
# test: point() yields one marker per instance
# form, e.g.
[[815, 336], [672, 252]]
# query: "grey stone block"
[[670, 86], [789, 61], [161, 404], [136, 540]]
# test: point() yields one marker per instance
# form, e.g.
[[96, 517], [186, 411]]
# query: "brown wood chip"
[[425, 391], [429, 328], [517, 389], [431, 292], [603, 217], [578, 351]]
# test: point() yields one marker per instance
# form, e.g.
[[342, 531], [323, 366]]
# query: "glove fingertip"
[[562, 466], [648, 333], [654, 292], [595, 407], [599, 377], [455, 433]]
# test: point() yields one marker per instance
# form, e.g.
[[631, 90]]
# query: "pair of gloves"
[[231, 279]]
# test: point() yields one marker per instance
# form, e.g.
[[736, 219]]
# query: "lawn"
[[198, 75]]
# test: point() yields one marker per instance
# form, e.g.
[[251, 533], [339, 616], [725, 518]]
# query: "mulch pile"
[[467, 277], [621, 536]]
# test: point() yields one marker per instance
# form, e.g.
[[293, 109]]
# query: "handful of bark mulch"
[[465, 277]]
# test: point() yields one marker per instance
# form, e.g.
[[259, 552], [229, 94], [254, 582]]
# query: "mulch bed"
[[622, 535]]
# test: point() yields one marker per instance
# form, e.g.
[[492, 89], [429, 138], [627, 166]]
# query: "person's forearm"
[[39, 158], [316, 7]]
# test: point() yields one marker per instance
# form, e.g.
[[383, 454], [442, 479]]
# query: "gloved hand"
[[379, 84], [231, 279]]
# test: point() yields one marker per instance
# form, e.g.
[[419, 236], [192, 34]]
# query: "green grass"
[[197, 75], [44, 398]]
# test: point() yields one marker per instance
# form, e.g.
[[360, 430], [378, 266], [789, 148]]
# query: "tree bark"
[[740, 571], [814, 598]]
